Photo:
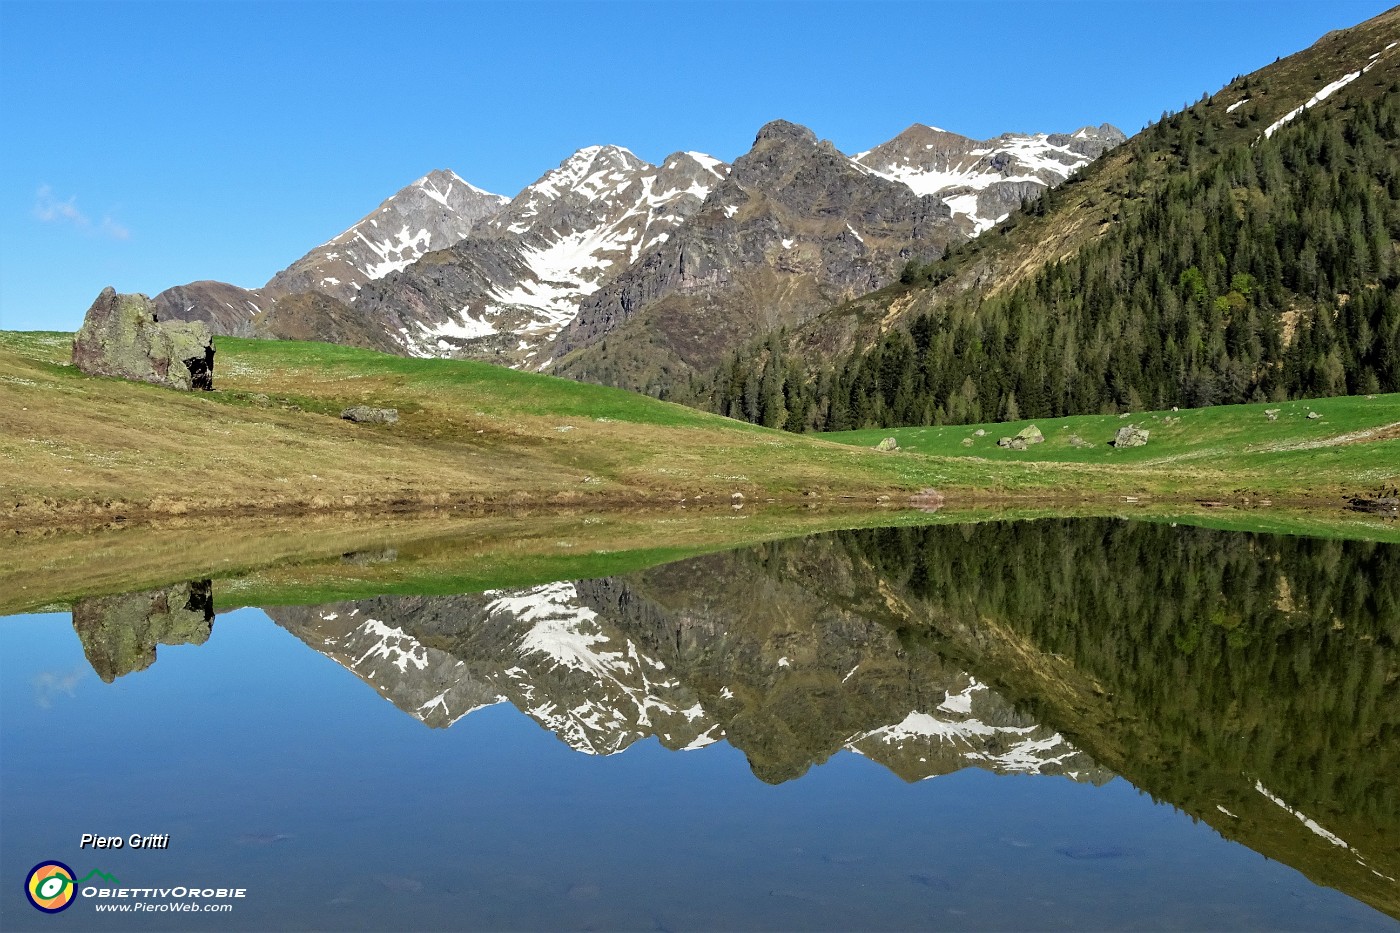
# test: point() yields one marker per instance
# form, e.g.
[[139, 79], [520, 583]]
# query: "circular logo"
[[50, 887]]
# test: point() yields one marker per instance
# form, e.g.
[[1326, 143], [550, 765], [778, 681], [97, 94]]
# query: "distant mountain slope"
[[1243, 249], [227, 309], [503, 293], [433, 212]]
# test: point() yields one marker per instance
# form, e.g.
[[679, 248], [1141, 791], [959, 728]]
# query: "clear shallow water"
[[271, 757]]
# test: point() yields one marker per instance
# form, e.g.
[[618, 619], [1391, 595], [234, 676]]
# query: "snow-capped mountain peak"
[[984, 180]]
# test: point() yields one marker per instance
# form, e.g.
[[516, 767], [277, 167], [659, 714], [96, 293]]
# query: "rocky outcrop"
[[121, 336], [120, 633]]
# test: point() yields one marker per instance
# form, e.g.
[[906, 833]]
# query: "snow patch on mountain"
[[1325, 92]]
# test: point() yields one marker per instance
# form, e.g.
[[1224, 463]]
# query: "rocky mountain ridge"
[[504, 292], [986, 180]]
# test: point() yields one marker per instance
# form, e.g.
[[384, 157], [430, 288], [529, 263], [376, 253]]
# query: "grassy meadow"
[[269, 442]]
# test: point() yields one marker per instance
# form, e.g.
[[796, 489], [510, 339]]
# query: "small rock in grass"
[[967, 442], [980, 432], [887, 445], [1313, 416], [363, 414]]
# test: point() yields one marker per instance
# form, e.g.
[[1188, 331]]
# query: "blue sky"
[[148, 145]]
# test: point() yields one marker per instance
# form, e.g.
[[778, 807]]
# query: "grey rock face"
[[503, 293], [1023, 439], [122, 337], [888, 444], [795, 228], [984, 180], [363, 414], [1130, 436]]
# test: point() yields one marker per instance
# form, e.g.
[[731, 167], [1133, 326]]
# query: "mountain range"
[[442, 268]]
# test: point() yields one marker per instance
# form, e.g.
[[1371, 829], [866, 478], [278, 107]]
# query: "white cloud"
[[51, 209]]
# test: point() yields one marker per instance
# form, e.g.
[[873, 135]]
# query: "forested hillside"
[[1260, 266]]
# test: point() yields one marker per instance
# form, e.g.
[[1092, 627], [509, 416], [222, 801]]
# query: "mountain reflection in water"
[[1251, 681]]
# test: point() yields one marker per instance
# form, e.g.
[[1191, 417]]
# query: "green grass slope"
[[1353, 446]]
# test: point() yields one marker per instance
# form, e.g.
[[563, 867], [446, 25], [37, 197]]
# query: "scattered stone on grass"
[[363, 414], [887, 445]]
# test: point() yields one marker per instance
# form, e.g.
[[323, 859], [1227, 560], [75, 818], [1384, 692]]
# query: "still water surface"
[[1049, 725]]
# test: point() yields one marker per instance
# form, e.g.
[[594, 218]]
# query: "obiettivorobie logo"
[[53, 886]]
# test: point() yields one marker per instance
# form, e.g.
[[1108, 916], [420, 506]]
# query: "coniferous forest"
[[1259, 271]]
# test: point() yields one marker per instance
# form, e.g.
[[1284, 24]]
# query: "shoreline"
[[91, 515]]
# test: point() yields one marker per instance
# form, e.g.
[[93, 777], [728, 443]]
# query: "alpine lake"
[[1059, 723]]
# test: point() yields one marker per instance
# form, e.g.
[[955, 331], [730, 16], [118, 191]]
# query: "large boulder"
[[1130, 436], [122, 337], [1031, 434]]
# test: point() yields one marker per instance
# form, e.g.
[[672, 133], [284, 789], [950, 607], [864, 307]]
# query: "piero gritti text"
[[134, 841]]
